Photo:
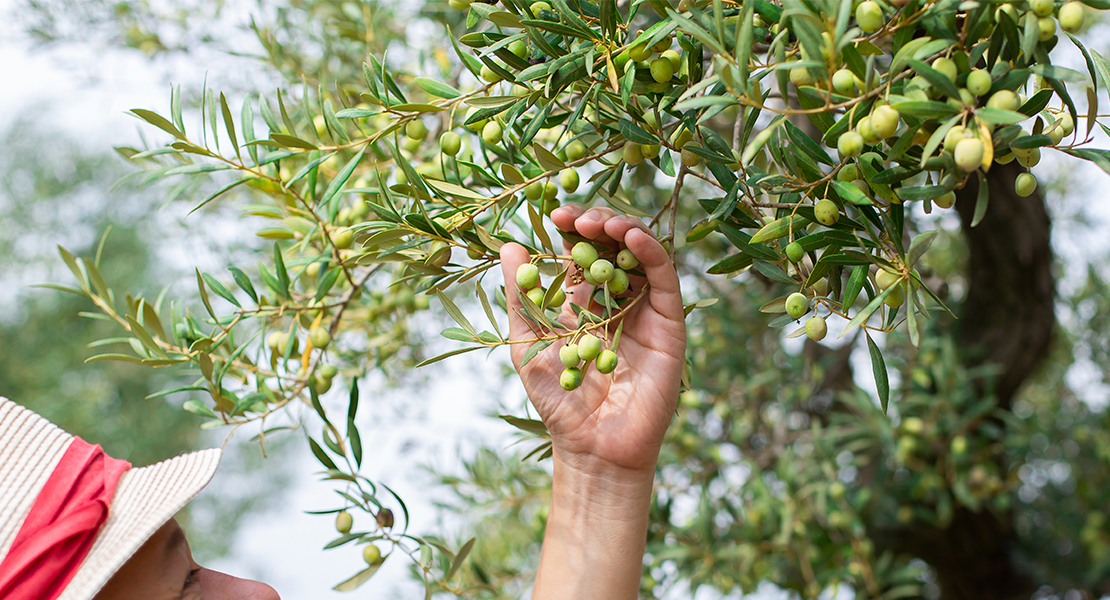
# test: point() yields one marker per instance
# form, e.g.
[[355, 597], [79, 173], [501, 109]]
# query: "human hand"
[[615, 420]]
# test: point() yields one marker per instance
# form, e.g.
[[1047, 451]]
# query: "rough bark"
[[1006, 320]]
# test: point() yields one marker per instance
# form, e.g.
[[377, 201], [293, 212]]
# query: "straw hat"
[[145, 498]]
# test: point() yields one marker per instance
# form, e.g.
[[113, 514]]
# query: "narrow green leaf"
[[878, 365]]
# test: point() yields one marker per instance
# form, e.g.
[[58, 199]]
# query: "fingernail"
[[592, 215]]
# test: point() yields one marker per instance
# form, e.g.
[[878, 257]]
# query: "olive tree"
[[797, 158]]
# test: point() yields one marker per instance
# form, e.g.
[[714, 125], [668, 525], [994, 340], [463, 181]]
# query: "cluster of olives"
[[528, 278], [583, 348]]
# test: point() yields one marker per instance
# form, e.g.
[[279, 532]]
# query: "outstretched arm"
[[606, 434]]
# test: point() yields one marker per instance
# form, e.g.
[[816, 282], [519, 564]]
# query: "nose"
[[221, 586]]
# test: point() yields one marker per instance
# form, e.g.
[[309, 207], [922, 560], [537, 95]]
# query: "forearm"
[[596, 530]]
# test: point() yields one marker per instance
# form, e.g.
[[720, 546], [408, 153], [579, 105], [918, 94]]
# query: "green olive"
[[528, 276]]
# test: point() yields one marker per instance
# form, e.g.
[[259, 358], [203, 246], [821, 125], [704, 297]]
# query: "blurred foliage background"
[[778, 467]]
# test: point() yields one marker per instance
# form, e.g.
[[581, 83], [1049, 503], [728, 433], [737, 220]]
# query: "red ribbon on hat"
[[63, 524]]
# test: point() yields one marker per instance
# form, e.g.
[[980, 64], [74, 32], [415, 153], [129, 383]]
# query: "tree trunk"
[[1006, 321]]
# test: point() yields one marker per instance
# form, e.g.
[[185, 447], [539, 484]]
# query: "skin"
[[164, 569], [607, 433]]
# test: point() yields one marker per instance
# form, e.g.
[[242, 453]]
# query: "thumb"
[[512, 256]]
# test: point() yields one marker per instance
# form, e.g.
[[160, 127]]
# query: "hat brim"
[[145, 499]]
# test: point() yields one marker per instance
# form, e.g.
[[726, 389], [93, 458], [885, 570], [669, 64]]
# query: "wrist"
[[596, 530]]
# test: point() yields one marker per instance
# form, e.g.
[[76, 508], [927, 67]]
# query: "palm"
[[621, 417]]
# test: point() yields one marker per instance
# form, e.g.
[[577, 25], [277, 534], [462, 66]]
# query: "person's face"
[[163, 569]]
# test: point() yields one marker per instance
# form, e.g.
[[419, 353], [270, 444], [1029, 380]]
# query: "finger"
[[512, 256], [665, 296], [591, 225], [564, 216], [618, 227]]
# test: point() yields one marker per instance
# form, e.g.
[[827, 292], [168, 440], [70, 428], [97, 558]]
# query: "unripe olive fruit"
[[640, 52], [844, 82], [321, 384], [945, 200], [328, 371], [492, 133], [601, 270], [569, 355], [947, 67], [895, 298], [416, 129], [410, 144], [459, 4], [619, 283], [1041, 8], [626, 260], [569, 180], [969, 154], [850, 144], [866, 131], [589, 278], [539, 6], [662, 70], [885, 279], [371, 554], [650, 150], [583, 254], [797, 305], [606, 361], [794, 252], [527, 276], [1025, 184], [978, 82], [450, 143], [662, 44], [816, 328], [534, 191], [690, 158], [849, 172], [571, 378], [826, 212], [1055, 132], [477, 125], [312, 270], [274, 341], [489, 75], [535, 296], [1067, 123], [1029, 158], [869, 16], [1004, 100], [800, 76], [959, 445], [342, 240], [550, 190], [884, 120], [589, 346], [557, 299], [320, 337], [344, 522], [1071, 17], [632, 153], [519, 48], [681, 136], [549, 205], [820, 288], [1046, 28], [675, 58], [953, 137], [575, 150]]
